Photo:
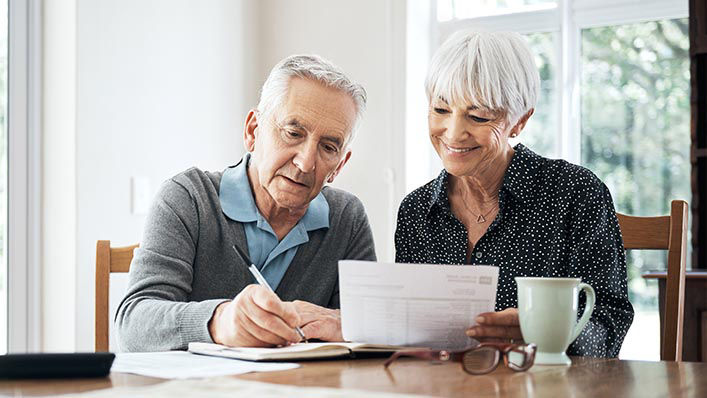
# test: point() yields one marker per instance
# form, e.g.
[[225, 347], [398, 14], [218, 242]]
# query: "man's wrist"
[[214, 321]]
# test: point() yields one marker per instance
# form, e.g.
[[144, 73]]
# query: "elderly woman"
[[495, 204]]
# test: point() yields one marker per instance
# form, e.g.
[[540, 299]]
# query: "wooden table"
[[586, 377]]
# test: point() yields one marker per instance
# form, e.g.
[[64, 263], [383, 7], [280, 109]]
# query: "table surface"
[[586, 377]]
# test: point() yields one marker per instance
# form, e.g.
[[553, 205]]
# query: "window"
[[543, 126], [3, 176], [614, 98], [635, 118], [19, 172]]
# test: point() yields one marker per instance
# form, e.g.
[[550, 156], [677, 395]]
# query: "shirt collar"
[[523, 167], [317, 215], [238, 203], [439, 191]]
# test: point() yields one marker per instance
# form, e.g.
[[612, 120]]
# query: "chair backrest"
[[664, 233], [108, 259]]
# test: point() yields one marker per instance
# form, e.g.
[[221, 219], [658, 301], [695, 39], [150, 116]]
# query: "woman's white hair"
[[493, 71], [311, 67]]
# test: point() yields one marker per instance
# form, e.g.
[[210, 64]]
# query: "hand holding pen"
[[262, 282], [255, 318]]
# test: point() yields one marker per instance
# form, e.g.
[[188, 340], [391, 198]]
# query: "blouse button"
[[478, 255]]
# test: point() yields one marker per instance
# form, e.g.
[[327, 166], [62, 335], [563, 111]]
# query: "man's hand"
[[500, 326], [319, 322], [255, 318]]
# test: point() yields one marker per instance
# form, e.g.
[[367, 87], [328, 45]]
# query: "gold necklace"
[[481, 217]]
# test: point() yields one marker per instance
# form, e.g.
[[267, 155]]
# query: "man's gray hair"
[[494, 71], [311, 67]]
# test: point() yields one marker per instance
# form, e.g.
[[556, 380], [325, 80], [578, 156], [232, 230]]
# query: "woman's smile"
[[454, 149]]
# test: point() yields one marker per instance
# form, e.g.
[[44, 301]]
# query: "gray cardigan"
[[185, 265]]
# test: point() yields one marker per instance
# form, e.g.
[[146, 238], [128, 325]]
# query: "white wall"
[[162, 85], [366, 38]]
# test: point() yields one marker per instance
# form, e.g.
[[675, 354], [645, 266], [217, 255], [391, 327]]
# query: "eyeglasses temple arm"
[[432, 355], [392, 358]]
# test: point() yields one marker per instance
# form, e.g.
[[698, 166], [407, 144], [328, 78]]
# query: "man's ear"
[[341, 164], [520, 125], [250, 130]]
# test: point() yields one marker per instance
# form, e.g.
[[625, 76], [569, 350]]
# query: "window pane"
[[460, 9], [636, 137], [3, 176], [541, 131]]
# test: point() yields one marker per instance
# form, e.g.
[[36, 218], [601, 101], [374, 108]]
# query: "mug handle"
[[588, 309]]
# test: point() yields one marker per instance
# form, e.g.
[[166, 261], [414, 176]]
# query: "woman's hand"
[[319, 322], [500, 326]]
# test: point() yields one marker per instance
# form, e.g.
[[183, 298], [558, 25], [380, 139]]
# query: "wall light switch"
[[141, 196]]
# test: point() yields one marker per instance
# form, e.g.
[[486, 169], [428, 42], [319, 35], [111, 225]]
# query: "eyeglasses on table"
[[481, 359]]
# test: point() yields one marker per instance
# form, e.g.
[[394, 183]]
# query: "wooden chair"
[[664, 233], [108, 259]]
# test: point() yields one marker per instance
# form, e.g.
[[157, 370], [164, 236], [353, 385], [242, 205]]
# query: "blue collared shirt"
[[270, 256]]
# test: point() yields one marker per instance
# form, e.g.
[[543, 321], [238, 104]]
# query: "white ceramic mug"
[[547, 308]]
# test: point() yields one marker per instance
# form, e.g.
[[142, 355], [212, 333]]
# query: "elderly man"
[[272, 205]]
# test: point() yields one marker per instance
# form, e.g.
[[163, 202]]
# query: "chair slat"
[[101, 308], [671, 350], [645, 232], [120, 258]]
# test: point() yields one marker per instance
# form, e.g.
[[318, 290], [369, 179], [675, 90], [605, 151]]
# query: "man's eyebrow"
[[295, 123], [334, 139]]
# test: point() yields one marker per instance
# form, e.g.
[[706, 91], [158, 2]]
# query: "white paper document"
[[413, 304], [185, 365]]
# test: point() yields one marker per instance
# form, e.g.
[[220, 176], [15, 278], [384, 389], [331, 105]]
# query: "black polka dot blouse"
[[555, 219]]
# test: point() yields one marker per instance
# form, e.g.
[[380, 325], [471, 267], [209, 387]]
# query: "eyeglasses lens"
[[520, 358], [517, 359], [481, 360]]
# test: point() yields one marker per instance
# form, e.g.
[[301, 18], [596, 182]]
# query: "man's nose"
[[306, 157]]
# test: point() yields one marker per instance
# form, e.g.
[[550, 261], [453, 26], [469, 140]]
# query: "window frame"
[[23, 135]]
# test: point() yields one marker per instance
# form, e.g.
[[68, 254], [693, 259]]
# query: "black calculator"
[[55, 365]]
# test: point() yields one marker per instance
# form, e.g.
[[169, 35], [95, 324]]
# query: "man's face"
[[300, 145]]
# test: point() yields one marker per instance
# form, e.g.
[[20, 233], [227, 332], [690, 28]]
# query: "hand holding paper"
[[414, 304], [497, 326]]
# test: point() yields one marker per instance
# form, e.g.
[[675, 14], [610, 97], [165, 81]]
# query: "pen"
[[261, 281]]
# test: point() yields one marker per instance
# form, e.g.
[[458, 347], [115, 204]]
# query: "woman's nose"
[[456, 129]]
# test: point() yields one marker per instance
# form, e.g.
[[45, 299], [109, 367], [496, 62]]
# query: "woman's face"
[[469, 139]]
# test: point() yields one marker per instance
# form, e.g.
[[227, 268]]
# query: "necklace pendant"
[[480, 219]]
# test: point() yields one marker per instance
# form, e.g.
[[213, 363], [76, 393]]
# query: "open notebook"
[[292, 352]]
